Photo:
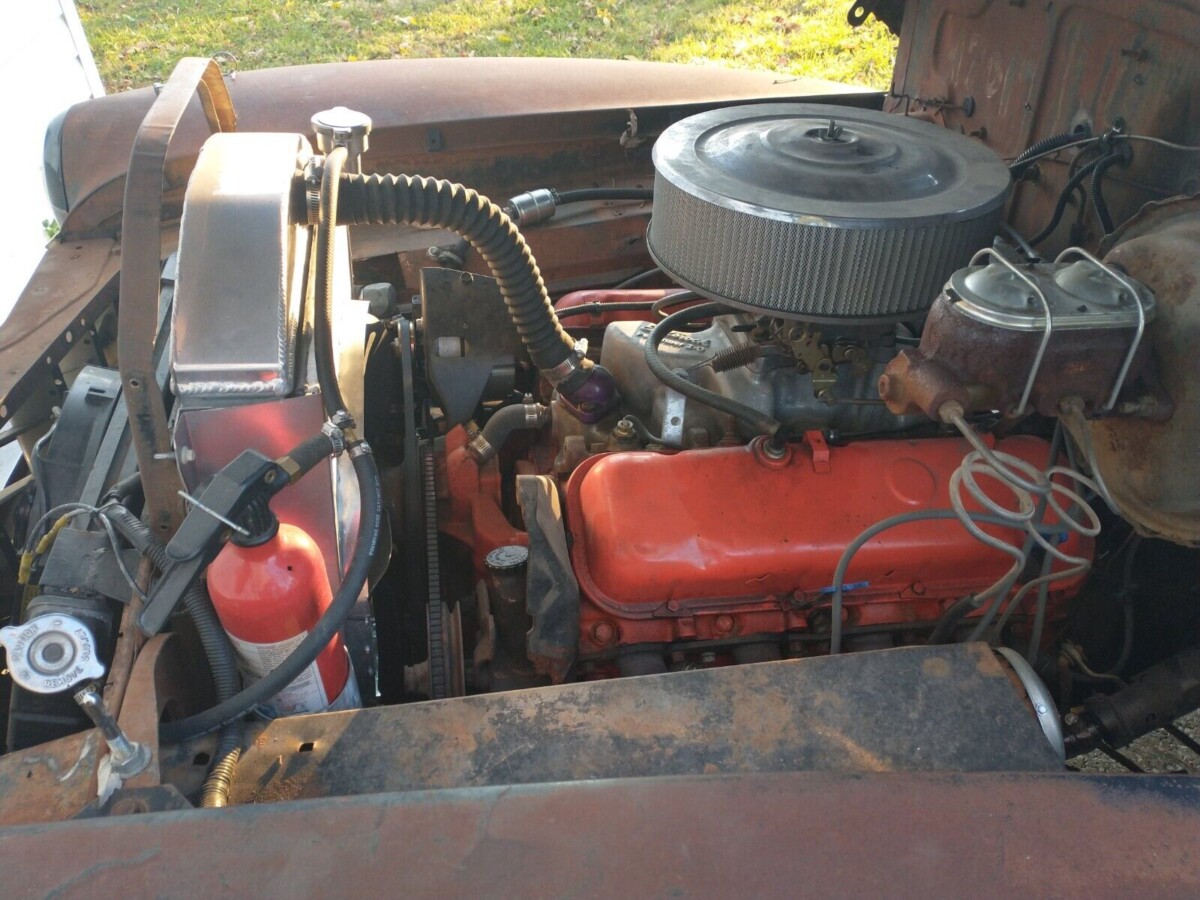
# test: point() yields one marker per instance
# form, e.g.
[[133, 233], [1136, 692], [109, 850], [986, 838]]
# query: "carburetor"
[[1021, 338]]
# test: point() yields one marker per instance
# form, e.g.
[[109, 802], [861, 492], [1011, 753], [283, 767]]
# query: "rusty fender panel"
[[815, 834], [74, 283], [427, 112], [50, 782], [916, 708]]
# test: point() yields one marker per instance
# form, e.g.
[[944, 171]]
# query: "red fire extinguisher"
[[269, 590]]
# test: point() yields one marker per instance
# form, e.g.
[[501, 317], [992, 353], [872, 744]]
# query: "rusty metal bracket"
[[140, 272]]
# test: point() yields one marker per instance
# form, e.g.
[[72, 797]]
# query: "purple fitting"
[[594, 399]]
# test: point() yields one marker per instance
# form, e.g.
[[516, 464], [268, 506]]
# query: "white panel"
[[47, 62]]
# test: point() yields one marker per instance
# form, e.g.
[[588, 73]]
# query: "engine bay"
[[826, 398]]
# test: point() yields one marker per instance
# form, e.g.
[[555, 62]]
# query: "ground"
[[137, 42]]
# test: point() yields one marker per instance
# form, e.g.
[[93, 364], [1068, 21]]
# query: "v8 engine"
[[820, 399]]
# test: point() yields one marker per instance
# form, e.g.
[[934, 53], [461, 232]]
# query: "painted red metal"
[[469, 511], [595, 300], [268, 598], [737, 543], [819, 834]]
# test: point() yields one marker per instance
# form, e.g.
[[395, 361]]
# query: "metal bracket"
[[140, 272], [1141, 325]]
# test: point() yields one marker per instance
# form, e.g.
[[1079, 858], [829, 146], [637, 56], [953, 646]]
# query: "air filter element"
[[823, 213]]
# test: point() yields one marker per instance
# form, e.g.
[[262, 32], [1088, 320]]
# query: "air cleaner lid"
[[805, 161]]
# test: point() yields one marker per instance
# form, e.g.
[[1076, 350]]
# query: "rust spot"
[[936, 667]]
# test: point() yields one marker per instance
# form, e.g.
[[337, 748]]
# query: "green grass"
[[138, 42]]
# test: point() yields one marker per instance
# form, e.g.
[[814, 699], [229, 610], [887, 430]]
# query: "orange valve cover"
[[712, 544]]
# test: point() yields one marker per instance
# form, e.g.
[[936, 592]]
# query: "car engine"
[[840, 405]]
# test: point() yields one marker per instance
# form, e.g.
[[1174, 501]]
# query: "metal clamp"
[[563, 370], [1041, 352], [1039, 697], [1141, 311]]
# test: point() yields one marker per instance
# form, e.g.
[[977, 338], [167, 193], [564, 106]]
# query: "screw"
[[603, 632]]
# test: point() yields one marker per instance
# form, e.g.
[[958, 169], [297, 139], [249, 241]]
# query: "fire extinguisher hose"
[[370, 524]]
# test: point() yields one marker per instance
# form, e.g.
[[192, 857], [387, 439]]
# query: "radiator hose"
[[587, 390]]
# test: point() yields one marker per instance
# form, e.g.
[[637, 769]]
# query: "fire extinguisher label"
[[306, 694]]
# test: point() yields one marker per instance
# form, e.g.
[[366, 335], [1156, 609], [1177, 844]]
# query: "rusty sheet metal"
[[160, 681], [465, 119], [810, 834], [140, 273], [54, 781], [1038, 69], [429, 109], [73, 284], [916, 708], [1152, 469], [50, 782]]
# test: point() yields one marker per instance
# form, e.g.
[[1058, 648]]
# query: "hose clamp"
[[337, 438], [362, 448], [481, 448], [534, 413], [314, 168], [563, 370]]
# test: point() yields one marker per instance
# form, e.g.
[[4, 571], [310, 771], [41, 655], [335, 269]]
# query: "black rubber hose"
[[327, 219], [503, 423], [1045, 146], [222, 660], [591, 195], [943, 632], [226, 684], [370, 518], [598, 308], [308, 455], [126, 489], [430, 203], [1061, 206], [759, 422], [1098, 203]]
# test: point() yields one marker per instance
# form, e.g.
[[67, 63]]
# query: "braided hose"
[[1045, 145]]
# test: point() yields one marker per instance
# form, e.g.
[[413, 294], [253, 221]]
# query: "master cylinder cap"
[[818, 212]]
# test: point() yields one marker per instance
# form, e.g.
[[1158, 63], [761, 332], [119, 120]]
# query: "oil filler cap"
[[51, 653]]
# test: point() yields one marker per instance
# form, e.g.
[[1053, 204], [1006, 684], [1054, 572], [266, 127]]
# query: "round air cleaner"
[[824, 213]]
